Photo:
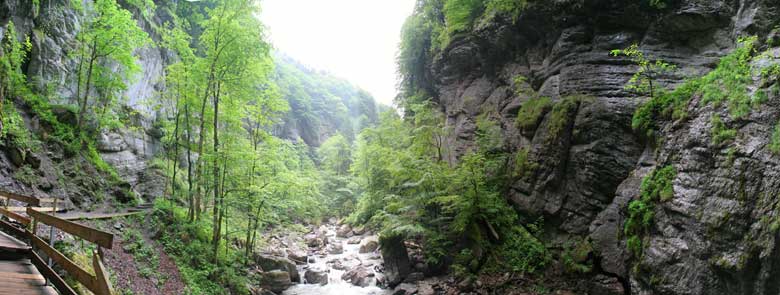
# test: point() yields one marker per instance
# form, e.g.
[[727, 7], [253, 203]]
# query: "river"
[[337, 264]]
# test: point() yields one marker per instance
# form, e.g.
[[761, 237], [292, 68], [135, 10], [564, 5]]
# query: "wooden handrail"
[[75, 271], [15, 216], [96, 236], [51, 275], [32, 201]]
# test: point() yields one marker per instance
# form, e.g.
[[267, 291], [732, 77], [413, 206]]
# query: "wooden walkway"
[[18, 275], [22, 271]]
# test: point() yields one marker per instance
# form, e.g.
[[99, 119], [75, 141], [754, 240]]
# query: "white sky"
[[353, 39]]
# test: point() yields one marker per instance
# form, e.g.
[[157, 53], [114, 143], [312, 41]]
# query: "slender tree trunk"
[[216, 230], [190, 197]]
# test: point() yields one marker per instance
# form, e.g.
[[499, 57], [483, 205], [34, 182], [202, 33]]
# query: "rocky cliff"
[[715, 235], [52, 29]]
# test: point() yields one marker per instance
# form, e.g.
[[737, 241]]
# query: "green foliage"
[[335, 154], [321, 103], [524, 165], [407, 190], [146, 257], [562, 115], [531, 113], [656, 187], [719, 132], [774, 144], [188, 244], [658, 4], [575, 256], [728, 82], [511, 8], [459, 15], [105, 52], [648, 73]]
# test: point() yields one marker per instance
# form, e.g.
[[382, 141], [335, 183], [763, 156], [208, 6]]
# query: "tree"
[[648, 73], [12, 55], [108, 39]]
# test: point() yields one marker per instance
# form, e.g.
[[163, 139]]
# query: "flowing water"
[[348, 259]]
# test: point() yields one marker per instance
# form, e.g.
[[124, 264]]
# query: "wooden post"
[[103, 286]]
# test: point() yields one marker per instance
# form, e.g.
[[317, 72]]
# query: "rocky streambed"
[[331, 259]]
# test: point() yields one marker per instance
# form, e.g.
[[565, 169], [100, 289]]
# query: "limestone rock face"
[[715, 235]]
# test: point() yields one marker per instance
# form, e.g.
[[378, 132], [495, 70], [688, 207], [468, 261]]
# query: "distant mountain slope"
[[320, 104]]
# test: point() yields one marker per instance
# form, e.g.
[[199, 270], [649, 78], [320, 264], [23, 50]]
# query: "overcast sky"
[[353, 39]]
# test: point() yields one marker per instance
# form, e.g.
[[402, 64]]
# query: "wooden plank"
[[82, 216], [17, 275], [8, 227], [49, 273], [32, 201], [68, 265], [96, 236], [15, 216], [9, 243], [24, 209], [101, 276]]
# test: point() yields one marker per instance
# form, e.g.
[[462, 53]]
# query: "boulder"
[[269, 263], [369, 245], [275, 280], [354, 241], [336, 249], [359, 231], [297, 256], [314, 241], [359, 276], [316, 276], [414, 277], [396, 259], [16, 155], [405, 289], [345, 231]]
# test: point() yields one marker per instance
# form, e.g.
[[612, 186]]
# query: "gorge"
[[534, 147]]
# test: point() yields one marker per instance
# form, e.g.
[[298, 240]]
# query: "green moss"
[[561, 115], [656, 187], [524, 166], [774, 144], [531, 113], [719, 132]]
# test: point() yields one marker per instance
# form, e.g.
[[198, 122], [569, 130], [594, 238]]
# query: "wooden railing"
[[99, 283]]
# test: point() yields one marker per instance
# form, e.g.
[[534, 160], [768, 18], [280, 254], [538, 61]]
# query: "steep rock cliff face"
[[714, 235], [51, 68]]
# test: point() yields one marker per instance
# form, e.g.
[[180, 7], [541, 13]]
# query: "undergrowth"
[[188, 243]]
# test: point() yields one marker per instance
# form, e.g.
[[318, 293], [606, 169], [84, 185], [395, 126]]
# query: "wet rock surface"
[[710, 237]]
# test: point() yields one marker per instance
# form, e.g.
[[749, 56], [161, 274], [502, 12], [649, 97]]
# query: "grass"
[[719, 132]]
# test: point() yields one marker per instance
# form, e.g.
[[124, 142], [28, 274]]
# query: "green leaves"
[[656, 187]]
